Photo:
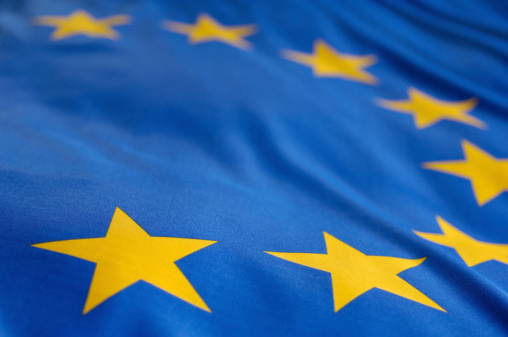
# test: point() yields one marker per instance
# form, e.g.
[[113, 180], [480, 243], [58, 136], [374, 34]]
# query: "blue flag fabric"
[[240, 168]]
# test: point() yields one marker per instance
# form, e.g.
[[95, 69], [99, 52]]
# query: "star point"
[[325, 61], [488, 175], [428, 110], [128, 254], [81, 22], [354, 273], [207, 29], [472, 251]]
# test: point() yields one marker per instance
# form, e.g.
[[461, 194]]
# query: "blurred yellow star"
[[82, 23], [472, 251], [488, 175], [208, 29], [127, 255], [354, 273], [428, 110], [328, 62]]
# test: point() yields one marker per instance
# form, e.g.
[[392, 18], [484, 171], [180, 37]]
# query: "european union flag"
[[253, 168]]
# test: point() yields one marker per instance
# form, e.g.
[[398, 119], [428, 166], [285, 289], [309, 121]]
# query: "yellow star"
[[207, 29], [427, 110], [472, 251], [354, 273], [81, 23], [488, 175], [328, 62], [127, 255]]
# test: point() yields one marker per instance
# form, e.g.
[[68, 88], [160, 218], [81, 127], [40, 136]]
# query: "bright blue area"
[[251, 150]]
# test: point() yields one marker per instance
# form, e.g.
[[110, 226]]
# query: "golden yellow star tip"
[[128, 254], [325, 61], [81, 22], [487, 174], [428, 110], [354, 273], [207, 29]]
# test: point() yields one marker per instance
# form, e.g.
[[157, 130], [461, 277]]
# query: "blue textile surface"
[[242, 145]]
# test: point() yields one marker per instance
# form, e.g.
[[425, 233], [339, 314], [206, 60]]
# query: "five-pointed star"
[[488, 175], [472, 251], [207, 29], [354, 273], [328, 62], [427, 110], [127, 255], [81, 23]]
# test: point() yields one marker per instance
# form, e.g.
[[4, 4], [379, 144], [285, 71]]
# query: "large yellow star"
[[488, 175], [81, 23], [427, 110], [354, 273], [328, 62], [207, 29], [472, 251], [127, 255]]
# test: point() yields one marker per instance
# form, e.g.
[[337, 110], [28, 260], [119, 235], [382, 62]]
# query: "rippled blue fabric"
[[250, 149]]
